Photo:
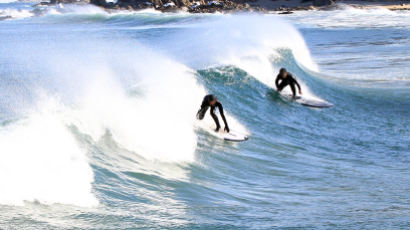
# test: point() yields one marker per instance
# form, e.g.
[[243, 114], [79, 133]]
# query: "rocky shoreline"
[[212, 6], [198, 6]]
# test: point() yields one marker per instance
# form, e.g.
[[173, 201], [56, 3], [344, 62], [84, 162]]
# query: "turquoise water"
[[98, 129]]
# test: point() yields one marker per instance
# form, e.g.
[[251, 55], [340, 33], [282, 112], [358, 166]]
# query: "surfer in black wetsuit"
[[285, 79], [211, 101]]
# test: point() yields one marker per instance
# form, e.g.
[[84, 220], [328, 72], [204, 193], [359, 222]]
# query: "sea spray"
[[41, 161]]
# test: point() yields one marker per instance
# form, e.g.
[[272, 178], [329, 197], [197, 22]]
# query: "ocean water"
[[98, 129]]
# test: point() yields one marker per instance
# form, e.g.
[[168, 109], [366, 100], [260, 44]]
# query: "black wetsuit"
[[289, 80], [204, 107]]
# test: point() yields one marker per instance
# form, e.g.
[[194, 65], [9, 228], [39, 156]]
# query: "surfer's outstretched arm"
[[201, 112], [221, 111], [296, 82], [277, 82], [213, 115], [204, 107]]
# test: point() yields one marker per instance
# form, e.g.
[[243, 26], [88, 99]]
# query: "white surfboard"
[[237, 134], [309, 102], [233, 136], [313, 103]]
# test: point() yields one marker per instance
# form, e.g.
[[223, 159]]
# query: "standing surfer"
[[285, 79], [211, 101]]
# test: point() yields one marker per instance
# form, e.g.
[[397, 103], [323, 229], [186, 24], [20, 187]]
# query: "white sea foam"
[[157, 124], [15, 13], [347, 17], [7, 1], [41, 161]]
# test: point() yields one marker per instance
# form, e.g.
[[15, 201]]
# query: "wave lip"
[[41, 161]]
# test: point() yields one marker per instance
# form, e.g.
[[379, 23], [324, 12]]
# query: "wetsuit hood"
[[212, 98]]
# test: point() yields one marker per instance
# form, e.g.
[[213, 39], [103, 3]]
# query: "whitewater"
[[98, 126]]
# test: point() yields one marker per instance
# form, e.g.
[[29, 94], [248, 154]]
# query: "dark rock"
[[286, 12], [323, 2], [5, 17]]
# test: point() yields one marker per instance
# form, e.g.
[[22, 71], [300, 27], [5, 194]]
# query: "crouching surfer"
[[285, 79], [211, 101]]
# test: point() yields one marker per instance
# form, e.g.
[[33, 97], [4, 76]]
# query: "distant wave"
[[347, 17], [10, 13], [7, 1]]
